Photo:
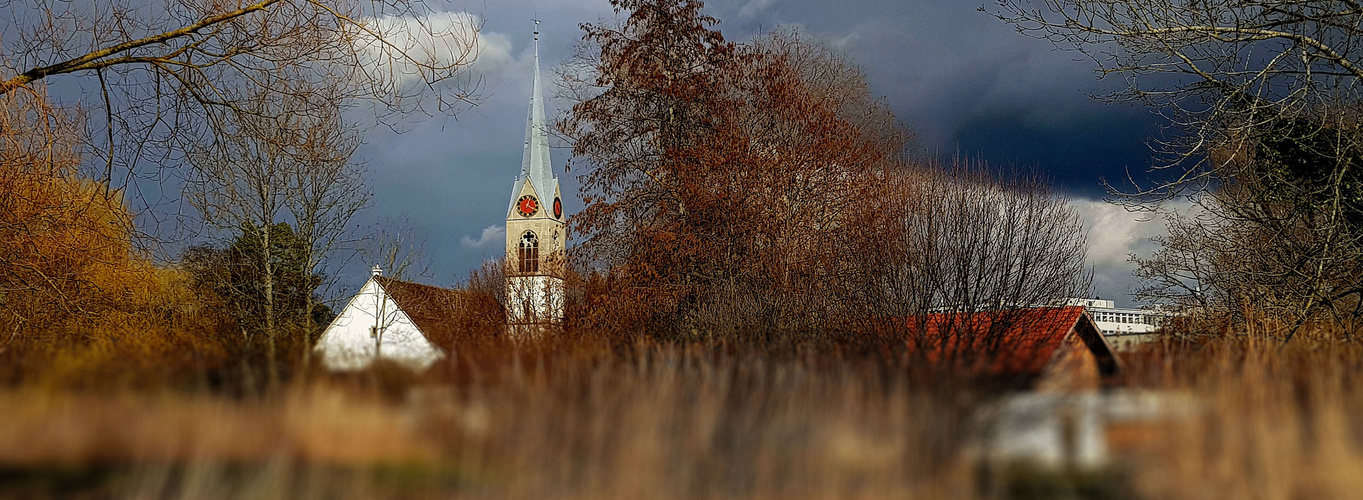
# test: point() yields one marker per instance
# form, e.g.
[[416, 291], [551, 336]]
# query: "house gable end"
[[1108, 362], [368, 328]]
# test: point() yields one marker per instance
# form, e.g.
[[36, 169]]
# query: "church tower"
[[535, 236]]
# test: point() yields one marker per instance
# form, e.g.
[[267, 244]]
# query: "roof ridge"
[[405, 282]]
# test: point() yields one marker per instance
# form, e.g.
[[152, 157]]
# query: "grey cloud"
[[940, 64], [1114, 235], [492, 237], [753, 7]]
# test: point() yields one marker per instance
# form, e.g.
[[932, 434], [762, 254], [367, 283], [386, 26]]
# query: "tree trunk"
[[267, 276], [308, 326]]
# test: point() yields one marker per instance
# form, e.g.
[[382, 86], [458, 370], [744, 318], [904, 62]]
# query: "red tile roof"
[[1012, 342], [431, 308]]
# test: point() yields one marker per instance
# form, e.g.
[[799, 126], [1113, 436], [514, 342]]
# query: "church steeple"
[[535, 163], [535, 230]]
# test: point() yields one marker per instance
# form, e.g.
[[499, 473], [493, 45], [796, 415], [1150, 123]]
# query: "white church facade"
[[404, 322]]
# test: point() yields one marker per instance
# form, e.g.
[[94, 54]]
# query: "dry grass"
[[1274, 422], [516, 422], [587, 419]]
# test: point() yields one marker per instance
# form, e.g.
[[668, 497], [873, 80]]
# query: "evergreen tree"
[[264, 282]]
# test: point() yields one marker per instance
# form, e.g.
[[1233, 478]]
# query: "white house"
[[390, 319]]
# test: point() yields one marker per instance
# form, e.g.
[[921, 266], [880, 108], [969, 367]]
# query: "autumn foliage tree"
[[76, 299], [43, 209], [721, 173], [659, 78], [761, 189]]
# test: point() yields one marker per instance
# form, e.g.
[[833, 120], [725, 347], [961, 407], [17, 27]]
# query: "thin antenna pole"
[[537, 46]]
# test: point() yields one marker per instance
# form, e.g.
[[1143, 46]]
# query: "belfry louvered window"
[[529, 254]]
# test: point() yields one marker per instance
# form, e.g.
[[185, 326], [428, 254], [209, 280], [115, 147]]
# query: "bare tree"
[[1251, 250], [394, 247], [172, 73], [969, 239], [239, 186], [1264, 96], [1226, 71], [325, 191], [281, 166], [964, 254]]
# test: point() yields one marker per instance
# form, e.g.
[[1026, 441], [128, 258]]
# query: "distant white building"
[[389, 319], [1123, 327]]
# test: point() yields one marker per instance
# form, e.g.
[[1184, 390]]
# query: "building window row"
[[1130, 318]]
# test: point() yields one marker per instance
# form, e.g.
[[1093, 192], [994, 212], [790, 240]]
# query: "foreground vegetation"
[[1274, 421], [583, 417]]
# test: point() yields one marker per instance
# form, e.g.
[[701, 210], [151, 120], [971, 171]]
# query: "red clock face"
[[558, 208], [527, 205]]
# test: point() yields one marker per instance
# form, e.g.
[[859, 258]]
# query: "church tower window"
[[529, 255]]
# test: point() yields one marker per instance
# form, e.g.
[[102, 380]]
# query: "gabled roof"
[[1016, 342], [432, 309]]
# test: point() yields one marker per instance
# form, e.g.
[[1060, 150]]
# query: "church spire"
[[535, 163], [536, 236]]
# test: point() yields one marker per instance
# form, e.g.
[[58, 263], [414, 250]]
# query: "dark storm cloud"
[[966, 83], [970, 84], [1073, 154]]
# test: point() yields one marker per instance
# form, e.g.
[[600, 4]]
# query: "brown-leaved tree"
[[724, 181]]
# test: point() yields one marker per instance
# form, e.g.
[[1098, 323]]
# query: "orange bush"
[[77, 302]]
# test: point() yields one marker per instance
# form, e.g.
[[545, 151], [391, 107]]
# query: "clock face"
[[558, 208], [527, 205]]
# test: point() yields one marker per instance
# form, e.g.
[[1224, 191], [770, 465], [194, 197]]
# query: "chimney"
[[378, 271]]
